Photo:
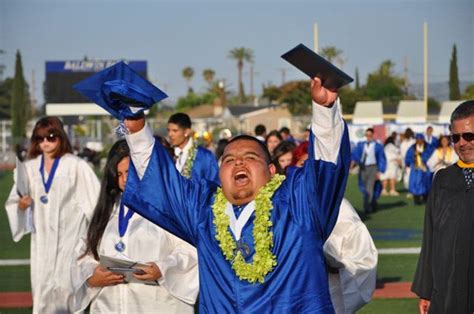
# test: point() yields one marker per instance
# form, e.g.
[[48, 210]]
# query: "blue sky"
[[171, 35]]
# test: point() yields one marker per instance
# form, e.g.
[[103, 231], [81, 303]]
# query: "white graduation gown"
[[55, 227], [351, 250], [440, 161], [404, 147], [392, 154], [144, 242]]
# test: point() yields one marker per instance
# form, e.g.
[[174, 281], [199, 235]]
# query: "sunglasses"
[[466, 136], [50, 138]]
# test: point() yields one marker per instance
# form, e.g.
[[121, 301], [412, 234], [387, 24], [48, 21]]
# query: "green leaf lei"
[[188, 165], [263, 259]]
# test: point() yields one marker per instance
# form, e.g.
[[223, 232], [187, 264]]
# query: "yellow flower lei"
[[188, 165], [263, 259]]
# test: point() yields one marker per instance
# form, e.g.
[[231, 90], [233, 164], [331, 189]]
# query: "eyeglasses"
[[466, 136], [50, 138]]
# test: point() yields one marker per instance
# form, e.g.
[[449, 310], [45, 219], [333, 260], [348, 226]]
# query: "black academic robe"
[[445, 272]]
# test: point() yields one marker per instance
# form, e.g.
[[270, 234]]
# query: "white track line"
[[14, 262], [402, 250]]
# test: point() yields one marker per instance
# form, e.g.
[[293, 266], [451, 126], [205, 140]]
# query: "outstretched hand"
[[322, 95]]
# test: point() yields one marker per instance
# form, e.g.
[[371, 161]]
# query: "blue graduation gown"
[[381, 162], [434, 142], [305, 210], [419, 182], [205, 166]]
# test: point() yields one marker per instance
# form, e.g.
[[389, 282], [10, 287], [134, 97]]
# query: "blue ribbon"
[[123, 219], [47, 184]]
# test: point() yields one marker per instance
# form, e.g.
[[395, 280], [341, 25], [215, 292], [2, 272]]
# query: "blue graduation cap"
[[121, 91], [419, 136]]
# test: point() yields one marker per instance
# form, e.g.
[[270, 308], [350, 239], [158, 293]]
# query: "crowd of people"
[[413, 158], [408, 157], [262, 226]]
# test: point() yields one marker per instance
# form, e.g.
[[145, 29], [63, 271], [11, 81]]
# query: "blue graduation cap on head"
[[121, 91], [419, 136]]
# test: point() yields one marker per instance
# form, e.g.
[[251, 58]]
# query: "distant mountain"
[[438, 91]]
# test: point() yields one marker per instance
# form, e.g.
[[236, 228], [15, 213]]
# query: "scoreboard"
[[62, 75]]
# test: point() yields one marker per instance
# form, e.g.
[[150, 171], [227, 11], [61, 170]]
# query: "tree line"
[[382, 84]]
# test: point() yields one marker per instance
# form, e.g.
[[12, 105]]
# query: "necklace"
[[47, 183], [188, 166], [263, 259], [123, 225]]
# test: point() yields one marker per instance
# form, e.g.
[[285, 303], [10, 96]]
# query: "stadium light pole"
[[425, 67], [315, 37]]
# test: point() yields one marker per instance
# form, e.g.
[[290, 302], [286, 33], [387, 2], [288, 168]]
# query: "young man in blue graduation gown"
[[259, 238], [192, 161], [370, 157], [417, 156], [430, 139]]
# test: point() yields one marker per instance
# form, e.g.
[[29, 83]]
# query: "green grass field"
[[397, 223], [390, 306]]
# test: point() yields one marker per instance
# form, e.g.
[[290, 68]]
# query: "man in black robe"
[[444, 278]]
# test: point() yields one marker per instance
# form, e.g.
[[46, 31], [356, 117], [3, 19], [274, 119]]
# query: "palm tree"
[[241, 54], [208, 75], [332, 54], [188, 74]]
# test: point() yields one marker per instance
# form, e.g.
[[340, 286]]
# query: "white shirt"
[[260, 138], [182, 154], [369, 149]]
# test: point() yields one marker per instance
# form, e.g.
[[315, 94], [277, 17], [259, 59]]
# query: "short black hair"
[[285, 130], [260, 129], [463, 111], [181, 119], [370, 130], [264, 148]]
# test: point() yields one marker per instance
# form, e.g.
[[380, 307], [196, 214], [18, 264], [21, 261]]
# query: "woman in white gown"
[[443, 156], [405, 144], [58, 195], [116, 232], [392, 172]]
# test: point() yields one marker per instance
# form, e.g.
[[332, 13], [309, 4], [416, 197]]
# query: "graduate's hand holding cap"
[[120, 91], [322, 95], [135, 125]]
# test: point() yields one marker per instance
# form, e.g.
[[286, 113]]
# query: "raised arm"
[[317, 189], [156, 190]]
